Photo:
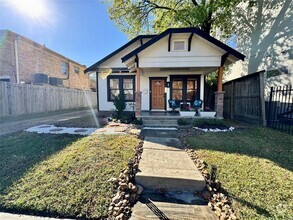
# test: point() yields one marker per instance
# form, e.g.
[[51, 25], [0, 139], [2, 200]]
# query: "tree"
[[154, 16], [264, 33]]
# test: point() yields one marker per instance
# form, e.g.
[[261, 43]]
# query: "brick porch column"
[[138, 104], [219, 103]]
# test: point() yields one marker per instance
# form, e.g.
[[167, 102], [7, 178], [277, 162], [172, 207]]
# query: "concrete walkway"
[[8, 216], [18, 123], [170, 179], [164, 165]]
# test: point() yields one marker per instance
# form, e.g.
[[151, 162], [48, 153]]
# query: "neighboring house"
[[21, 59], [266, 37], [151, 69]]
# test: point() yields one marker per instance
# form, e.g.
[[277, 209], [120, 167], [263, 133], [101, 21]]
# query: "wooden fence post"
[[262, 98], [232, 101]]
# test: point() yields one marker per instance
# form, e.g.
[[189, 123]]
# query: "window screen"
[[179, 45]]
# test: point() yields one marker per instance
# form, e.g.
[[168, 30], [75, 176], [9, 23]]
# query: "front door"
[[158, 94]]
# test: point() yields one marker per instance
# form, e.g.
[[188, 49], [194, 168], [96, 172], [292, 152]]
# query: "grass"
[[83, 122], [59, 175], [255, 167]]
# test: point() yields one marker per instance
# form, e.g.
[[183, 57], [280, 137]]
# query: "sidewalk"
[[170, 180], [17, 124], [7, 216]]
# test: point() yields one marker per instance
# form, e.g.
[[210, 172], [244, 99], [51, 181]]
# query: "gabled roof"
[[94, 67], [185, 30]]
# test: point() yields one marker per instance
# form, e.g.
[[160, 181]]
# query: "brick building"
[[21, 59]]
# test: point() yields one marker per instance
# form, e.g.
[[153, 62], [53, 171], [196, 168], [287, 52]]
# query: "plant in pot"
[[185, 110]]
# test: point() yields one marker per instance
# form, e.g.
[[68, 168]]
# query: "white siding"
[[104, 105], [202, 54]]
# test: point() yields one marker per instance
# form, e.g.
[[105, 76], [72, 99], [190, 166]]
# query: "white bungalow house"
[[151, 69]]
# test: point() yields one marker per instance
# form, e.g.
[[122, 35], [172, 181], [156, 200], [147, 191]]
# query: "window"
[[184, 88], [177, 87], [191, 89], [179, 45], [76, 69], [117, 84], [64, 68]]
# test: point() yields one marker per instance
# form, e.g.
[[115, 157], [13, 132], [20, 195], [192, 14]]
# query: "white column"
[[202, 87]]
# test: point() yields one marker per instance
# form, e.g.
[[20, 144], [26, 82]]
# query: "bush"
[[137, 122], [120, 105], [184, 121], [209, 123]]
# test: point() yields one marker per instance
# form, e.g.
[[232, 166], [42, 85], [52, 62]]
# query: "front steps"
[[160, 122]]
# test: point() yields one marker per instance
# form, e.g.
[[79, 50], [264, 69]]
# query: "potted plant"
[[186, 111], [208, 113]]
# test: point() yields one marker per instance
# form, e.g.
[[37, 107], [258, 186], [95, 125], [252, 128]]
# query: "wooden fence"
[[19, 99], [244, 99]]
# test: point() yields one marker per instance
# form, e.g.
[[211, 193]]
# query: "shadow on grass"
[[258, 209], [252, 141], [21, 151]]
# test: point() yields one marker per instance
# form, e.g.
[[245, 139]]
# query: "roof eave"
[[95, 66], [185, 30]]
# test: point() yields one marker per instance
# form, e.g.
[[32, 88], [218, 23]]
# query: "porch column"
[[219, 95], [137, 94]]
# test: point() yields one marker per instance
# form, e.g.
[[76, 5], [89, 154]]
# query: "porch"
[[167, 119]]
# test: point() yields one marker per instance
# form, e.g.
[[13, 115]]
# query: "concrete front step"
[[164, 165], [172, 205], [159, 123]]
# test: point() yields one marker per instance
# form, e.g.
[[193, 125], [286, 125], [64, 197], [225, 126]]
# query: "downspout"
[[16, 58]]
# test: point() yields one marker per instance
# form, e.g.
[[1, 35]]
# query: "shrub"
[[184, 121], [209, 122], [120, 105]]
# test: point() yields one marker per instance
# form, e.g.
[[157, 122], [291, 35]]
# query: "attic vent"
[[179, 45]]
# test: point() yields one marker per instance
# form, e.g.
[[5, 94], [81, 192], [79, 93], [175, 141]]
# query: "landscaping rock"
[[140, 189], [128, 193], [218, 202], [123, 186]]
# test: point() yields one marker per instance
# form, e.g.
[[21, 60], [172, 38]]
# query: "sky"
[[78, 29]]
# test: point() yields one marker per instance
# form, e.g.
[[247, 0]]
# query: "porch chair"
[[196, 105], [173, 104]]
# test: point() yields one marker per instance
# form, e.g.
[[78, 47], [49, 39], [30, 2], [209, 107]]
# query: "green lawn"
[[61, 175], [255, 167]]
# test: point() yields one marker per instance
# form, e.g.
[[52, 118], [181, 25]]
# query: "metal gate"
[[280, 109]]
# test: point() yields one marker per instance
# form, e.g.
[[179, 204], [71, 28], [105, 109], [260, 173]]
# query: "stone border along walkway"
[[127, 191], [217, 201], [111, 128]]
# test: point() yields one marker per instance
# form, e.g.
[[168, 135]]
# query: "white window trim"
[[67, 68], [176, 40]]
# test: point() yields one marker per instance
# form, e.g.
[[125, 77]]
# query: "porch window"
[[117, 84], [184, 88], [191, 89], [177, 89]]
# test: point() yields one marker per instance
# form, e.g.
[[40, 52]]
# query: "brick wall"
[[35, 58]]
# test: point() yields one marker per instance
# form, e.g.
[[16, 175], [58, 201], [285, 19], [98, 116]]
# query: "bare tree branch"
[[156, 6], [194, 2]]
